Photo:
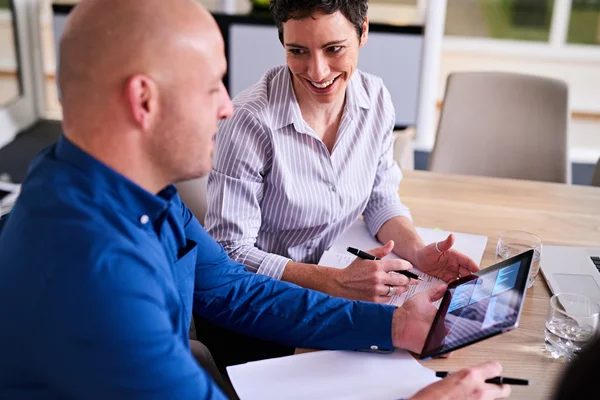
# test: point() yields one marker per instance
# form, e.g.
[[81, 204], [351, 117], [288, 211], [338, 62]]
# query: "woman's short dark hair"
[[355, 11]]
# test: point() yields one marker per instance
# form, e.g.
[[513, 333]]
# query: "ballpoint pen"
[[367, 256], [499, 380]]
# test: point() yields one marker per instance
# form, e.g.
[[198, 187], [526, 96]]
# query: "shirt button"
[[144, 219], [374, 347], [333, 188]]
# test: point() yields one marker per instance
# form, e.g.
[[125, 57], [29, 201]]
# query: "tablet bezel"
[[526, 257]]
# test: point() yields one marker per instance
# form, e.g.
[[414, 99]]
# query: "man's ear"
[[141, 95], [365, 32]]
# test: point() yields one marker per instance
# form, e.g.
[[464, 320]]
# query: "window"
[[10, 89], [500, 19], [584, 24]]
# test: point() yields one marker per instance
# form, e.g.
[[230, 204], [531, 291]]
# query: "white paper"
[[347, 375]]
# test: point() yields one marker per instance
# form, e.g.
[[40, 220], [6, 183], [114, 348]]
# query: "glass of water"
[[571, 323], [512, 243]]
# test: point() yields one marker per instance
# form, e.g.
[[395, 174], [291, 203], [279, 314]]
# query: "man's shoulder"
[[58, 227]]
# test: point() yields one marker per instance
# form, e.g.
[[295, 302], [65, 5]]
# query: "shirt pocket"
[[183, 273]]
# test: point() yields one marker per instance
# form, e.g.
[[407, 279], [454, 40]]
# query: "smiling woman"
[[309, 150]]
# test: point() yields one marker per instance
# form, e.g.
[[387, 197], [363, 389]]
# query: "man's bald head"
[[106, 41], [141, 83]]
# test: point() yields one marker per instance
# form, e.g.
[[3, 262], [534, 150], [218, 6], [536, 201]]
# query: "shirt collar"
[[357, 96], [286, 109], [113, 189]]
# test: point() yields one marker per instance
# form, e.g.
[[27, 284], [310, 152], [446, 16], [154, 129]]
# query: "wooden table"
[[559, 214]]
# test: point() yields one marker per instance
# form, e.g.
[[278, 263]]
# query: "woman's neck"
[[319, 115]]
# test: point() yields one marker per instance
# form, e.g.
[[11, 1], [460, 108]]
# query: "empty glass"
[[512, 243], [571, 323]]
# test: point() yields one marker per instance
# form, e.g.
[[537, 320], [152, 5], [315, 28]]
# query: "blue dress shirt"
[[99, 278]]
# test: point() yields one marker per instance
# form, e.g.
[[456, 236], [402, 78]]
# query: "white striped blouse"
[[276, 194]]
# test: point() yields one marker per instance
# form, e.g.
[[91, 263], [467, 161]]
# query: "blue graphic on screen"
[[461, 297], [507, 277]]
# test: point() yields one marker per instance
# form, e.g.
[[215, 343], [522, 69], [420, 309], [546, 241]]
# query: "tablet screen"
[[479, 306]]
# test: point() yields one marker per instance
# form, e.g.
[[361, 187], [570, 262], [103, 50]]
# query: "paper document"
[[347, 375], [358, 236]]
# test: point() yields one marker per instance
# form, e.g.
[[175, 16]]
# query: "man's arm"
[[256, 305], [111, 336]]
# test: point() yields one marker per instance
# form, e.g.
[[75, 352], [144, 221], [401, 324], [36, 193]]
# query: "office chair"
[[596, 176], [505, 125], [193, 194]]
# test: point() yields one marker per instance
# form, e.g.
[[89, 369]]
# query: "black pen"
[[367, 256], [498, 380]]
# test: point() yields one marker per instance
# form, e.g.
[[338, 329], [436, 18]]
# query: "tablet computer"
[[479, 306]]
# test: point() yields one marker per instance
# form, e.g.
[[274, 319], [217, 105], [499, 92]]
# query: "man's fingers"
[[499, 391], [382, 251], [436, 293], [489, 369]]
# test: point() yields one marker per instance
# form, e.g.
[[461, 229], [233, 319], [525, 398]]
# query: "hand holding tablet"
[[479, 306]]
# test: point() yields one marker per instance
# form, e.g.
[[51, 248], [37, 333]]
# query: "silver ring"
[[390, 292], [437, 248]]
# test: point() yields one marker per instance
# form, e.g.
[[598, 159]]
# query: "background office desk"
[[559, 214]]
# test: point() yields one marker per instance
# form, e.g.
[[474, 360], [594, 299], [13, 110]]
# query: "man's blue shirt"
[[99, 278]]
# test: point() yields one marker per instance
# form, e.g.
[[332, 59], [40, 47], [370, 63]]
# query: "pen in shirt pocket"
[[366, 256]]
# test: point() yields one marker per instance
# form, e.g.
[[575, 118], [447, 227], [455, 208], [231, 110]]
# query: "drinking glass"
[[512, 243], [571, 323]]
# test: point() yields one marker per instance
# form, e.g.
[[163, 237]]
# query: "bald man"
[[101, 265]]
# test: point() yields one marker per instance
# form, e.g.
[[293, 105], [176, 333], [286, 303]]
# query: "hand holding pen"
[[371, 281], [367, 256], [498, 380], [468, 384]]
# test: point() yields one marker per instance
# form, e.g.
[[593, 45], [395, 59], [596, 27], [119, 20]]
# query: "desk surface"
[[559, 214]]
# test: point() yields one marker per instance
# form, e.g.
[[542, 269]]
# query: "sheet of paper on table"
[[331, 375]]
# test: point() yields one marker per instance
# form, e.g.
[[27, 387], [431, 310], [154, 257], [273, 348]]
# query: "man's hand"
[[370, 280], [444, 262], [412, 321], [467, 384]]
